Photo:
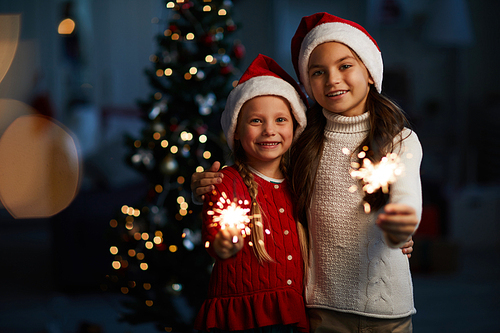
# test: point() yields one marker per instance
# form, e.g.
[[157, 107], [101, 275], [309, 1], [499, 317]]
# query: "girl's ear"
[[370, 80], [236, 136]]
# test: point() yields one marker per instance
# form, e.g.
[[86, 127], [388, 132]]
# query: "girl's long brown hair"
[[387, 120]]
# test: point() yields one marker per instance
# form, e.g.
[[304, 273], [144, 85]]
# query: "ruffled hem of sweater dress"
[[277, 307]]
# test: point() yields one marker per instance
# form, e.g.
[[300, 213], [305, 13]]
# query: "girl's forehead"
[[332, 50], [266, 104]]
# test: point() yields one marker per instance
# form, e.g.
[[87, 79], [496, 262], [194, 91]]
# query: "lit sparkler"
[[380, 175], [229, 214]]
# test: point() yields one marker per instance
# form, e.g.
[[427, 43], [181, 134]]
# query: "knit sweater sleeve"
[[407, 189]]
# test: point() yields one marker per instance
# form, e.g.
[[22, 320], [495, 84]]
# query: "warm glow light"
[[66, 27], [207, 155], [181, 180], [222, 12], [158, 96], [187, 76], [140, 256], [209, 58], [183, 205], [149, 245], [164, 143], [168, 71], [124, 290], [380, 175], [207, 8], [149, 302], [200, 168], [144, 266], [131, 253], [229, 213], [146, 286], [235, 83], [193, 70], [113, 223], [158, 188], [156, 136], [159, 72], [172, 248], [157, 240], [175, 36], [113, 250], [180, 200], [183, 212], [170, 5], [129, 225], [174, 149], [137, 143], [190, 36], [137, 236], [145, 236], [124, 209], [202, 138], [116, 264]]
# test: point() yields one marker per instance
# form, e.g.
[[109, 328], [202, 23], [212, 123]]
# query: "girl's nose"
[[269, 129], [333, 78]]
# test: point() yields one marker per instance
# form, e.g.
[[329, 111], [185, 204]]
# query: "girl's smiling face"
[[265, 130], [340, 82]]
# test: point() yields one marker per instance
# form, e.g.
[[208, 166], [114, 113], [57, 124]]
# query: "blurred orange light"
[[66, 27]]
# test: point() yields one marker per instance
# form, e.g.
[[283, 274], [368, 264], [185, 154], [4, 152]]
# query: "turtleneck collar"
[[342, 124]]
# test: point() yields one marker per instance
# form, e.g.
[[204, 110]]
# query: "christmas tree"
[[158, 258]]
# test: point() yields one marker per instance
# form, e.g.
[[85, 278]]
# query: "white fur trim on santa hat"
[[346, 34], [261, 86]]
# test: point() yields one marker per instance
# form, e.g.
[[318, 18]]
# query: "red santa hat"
[[320, 28], [263, 77]]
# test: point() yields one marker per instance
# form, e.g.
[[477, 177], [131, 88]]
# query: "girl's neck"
[[269, 179], [271, 170]]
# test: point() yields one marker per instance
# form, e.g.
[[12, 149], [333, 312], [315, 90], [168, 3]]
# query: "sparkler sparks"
[[380, 175], [229, 214]]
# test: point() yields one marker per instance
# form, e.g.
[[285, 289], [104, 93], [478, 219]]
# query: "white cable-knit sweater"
[[352, 269]]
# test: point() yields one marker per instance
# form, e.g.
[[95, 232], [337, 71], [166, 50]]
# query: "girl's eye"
[[280, 120], [316, 73], [255, 121], [345, 66]]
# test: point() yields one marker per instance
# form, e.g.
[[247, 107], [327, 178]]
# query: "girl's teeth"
[[337, 93]]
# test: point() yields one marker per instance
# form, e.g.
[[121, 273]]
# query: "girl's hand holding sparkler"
[[228, 242], [398, 221]]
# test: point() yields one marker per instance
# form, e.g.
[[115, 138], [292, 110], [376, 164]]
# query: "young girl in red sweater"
[[257, 281]]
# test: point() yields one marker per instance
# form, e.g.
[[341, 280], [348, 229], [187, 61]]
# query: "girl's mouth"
[[268, 144], [336, 93]]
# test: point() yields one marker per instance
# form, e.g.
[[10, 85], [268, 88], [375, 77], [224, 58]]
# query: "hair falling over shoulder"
[[304, 157], [387, 120]]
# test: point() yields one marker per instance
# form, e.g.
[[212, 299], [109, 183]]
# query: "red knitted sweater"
[[244, 294]]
